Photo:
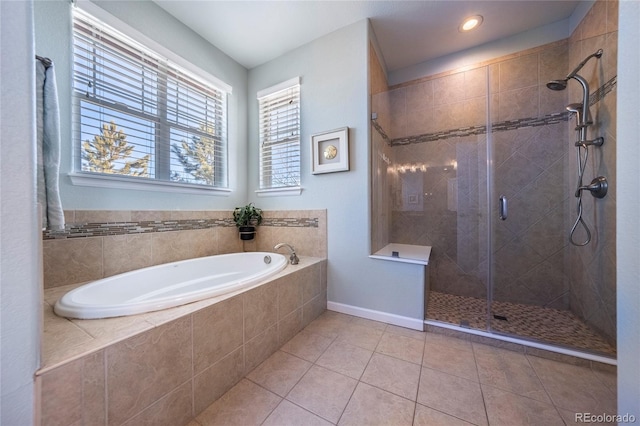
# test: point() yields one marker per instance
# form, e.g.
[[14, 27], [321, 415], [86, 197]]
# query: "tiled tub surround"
[[98, 243], [165, 367]]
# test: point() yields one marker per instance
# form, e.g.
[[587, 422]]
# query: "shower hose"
[[579, 221]]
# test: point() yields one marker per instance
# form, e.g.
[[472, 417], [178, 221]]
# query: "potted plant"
[[247, 218]]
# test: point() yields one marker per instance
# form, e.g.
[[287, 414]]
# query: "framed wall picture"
[[330, 151]]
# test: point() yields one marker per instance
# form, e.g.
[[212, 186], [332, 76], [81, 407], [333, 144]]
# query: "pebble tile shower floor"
[[542, 324], [350, 371]]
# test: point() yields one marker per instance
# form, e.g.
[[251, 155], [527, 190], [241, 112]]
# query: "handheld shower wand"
[[584, 120], [597, 187]]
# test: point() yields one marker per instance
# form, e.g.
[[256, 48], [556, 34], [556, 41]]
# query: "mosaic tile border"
[[380, 130], [502, 126], [102, 229], [603, 90], [454, 133]]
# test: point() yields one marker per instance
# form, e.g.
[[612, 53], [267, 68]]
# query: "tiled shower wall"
[[433, 133], [592, 268], [438, 177], [98, 244]]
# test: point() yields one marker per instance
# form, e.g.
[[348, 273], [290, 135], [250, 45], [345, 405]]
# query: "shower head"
[[557, 84], [562, 84], [584, 116]]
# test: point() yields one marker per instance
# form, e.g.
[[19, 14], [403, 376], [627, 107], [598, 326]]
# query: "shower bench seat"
[[407, 253]]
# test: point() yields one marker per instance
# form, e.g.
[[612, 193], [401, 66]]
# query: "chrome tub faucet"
[[292, 255]]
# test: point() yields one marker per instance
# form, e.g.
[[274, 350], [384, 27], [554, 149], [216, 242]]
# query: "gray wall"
[[20, 271], [628, 230], [334, 93], [53, 40]]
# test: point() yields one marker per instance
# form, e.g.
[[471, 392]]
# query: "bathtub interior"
[[168, 285]]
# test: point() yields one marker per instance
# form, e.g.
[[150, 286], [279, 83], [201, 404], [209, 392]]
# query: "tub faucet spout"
[[292, 255]]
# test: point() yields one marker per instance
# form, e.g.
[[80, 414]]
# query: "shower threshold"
[[548, 329]]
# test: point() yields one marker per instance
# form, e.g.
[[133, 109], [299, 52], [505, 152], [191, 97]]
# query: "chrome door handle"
[[503, 207]]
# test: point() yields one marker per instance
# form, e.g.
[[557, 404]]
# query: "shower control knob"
[[598, 187]]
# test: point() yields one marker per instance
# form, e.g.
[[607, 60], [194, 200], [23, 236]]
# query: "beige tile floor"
[[350, 371]]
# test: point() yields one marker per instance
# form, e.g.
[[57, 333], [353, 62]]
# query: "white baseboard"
[[413, 323]]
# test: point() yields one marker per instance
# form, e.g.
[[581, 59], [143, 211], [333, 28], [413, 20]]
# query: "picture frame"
[[330, 151]]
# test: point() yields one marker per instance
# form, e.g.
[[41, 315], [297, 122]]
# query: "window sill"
[[123, 182], [279, 192]]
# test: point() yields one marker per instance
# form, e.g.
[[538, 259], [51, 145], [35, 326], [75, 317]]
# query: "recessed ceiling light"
[[470, 23]]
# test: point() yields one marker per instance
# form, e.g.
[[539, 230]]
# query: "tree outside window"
[[109, 152]]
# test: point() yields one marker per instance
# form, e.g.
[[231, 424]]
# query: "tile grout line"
[[312, 365], [373, 352], [529, 398], [284, 398], [354, 389], [415, 407], [484, 401], [277, 405], [553, 402], [357, 381], [106, 385], [193, 371]]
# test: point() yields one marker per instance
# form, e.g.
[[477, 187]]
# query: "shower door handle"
[[503, 207]]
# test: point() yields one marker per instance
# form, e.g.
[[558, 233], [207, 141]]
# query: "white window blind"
[[138, 114], [279, 122]]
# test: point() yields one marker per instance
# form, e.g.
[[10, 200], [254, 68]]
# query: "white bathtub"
[[165, 286]]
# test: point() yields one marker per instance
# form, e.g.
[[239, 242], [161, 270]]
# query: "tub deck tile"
[[92, 335]]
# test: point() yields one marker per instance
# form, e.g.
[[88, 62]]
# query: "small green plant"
[[248, 215]]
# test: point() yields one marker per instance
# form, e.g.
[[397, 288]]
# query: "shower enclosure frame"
[[492, 198]]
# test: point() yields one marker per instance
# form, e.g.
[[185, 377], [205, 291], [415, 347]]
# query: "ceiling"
[[408, 32]]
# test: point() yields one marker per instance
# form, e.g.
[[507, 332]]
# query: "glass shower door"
[[453, 205], [541, 287], [530, 286], [529, 198]]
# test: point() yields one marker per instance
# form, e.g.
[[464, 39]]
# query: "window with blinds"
[[138, 114], [279, 122]]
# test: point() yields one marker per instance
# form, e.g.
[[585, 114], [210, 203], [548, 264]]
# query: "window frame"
[[271, 93], [121, 181]]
